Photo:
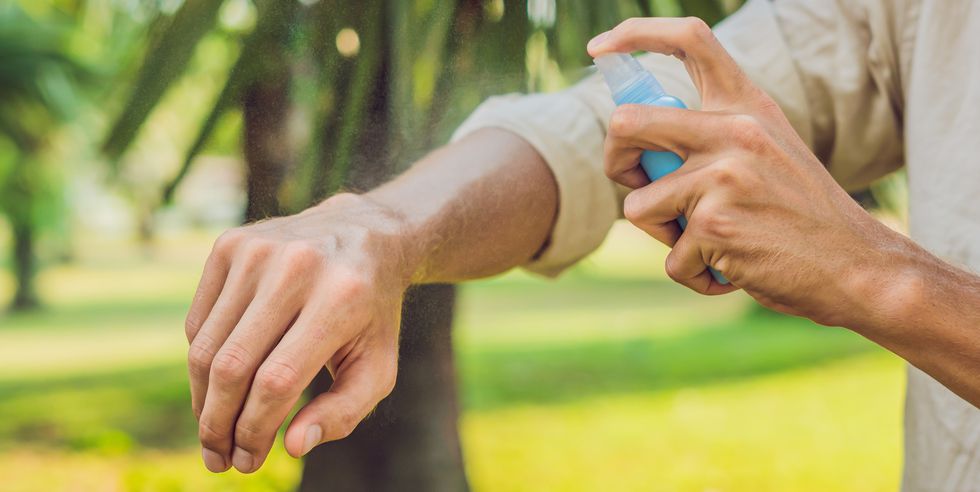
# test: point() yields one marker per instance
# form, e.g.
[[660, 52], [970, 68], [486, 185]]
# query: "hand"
[[278, 301], [760, 207]]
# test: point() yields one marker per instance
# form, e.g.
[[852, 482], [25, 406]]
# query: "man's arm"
[[475, 208], [280, 298]]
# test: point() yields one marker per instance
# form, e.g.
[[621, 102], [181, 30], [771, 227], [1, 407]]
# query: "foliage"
[[440, 58], [37, 87]]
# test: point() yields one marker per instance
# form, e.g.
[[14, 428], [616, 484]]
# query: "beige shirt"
[[870, 85]]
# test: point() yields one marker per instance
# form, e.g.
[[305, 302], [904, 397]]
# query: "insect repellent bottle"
[[630, 83]]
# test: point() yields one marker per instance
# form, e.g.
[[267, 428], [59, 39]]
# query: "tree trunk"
[[411, 441], [25, 297], [265, 113]]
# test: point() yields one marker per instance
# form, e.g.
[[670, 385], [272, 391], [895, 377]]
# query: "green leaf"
[[229, 94], [165, 62], [246, 68], [711, 11]]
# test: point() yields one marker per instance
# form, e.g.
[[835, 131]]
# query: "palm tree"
[[36, 80]]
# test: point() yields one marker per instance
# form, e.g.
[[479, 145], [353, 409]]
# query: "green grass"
[[612, 378]]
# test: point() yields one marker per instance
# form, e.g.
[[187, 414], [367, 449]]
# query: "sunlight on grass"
[[145, 471], [830, 427]]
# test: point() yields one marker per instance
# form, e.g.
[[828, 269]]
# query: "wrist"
[[891, 290], [387, 235]]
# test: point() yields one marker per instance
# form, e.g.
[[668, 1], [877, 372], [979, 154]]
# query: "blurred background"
[[132, 132]]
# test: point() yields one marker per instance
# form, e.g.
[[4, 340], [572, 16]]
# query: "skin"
[[282, 298]]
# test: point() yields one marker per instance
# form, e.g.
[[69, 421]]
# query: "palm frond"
[[164, 63]]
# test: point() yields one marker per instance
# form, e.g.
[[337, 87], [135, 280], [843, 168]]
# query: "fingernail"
[[243, 460], [596, 41], [313, 435], [213, 461]]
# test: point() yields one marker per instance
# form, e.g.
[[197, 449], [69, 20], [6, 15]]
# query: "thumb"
[[357, 388]]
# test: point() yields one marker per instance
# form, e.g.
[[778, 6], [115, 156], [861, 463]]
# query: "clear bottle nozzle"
[[622, 71]]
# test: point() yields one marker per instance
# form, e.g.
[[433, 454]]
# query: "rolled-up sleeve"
[[568, 128], [568, 134]]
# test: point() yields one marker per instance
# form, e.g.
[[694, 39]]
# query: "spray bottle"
[[630, 83]]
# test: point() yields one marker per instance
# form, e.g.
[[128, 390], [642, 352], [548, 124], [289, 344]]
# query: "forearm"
[[928, 312], [474, 208]]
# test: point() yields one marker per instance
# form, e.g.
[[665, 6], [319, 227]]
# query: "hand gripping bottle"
[[630, 83]]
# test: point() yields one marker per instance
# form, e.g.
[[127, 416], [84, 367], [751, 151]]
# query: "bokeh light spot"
[[348, 42]]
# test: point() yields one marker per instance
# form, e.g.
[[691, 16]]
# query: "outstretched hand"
[[277, 302], [760, 207]]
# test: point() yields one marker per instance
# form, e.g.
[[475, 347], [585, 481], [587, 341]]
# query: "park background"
[[132, 132]]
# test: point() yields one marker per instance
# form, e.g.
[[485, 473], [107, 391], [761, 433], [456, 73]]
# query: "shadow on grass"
[[759, 343], [150, 406], [95, 315], [110, 411]]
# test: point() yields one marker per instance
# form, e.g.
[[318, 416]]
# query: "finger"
[[621, 162], [234, 365], [357, 389], [655, 208], [280, 380], [228, 309], [635, 128], [716, 75], [685, 265], [208, 290]]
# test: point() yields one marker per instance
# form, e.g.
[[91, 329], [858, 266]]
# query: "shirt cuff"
[[568, 136]]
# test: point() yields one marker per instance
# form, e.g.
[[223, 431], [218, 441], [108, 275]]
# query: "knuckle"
[[199, 356], [767, 105], [254, 250], [629, 26], [725, 173], [610, 166], [670, 268], [192, 325], [351, 285], [623, 121], [633, 207], [697, 29], [609, 169], [747, 132], [301, 255], [249, 437], [228, 241], [346, 421], [210, 436], [715, 225], [706, 211], [722, 263], [230, 365], [278, 380]]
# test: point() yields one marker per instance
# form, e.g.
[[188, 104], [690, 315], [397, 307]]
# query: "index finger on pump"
[[713, 70]]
